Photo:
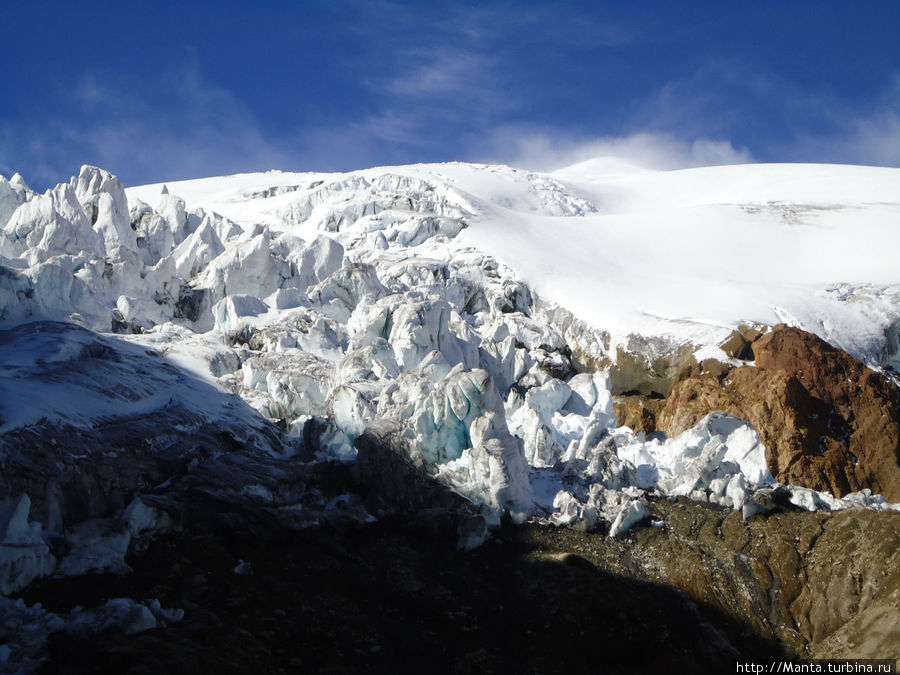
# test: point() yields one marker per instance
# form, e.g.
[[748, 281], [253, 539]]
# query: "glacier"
[[241, 337]]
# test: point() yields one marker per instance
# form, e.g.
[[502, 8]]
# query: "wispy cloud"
[[452, 80], [179, 126], [441, 73], [690, 121], [876, 139], [550, 149], [541, 85], [868, 137], [184, 126], [460, 70]]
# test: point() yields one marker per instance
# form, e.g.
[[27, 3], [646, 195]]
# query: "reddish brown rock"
[[827, 421], [638, 412], [737, 346]]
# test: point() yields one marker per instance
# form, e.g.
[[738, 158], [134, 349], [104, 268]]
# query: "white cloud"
[[547, 150]]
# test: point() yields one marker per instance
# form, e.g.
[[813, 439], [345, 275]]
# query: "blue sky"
[[165, 90]]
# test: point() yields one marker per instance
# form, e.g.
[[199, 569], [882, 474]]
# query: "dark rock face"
[[824, 585], [705, 591], [648, 365], [638, 412], [827, 421], [383, 598], [738, 345]]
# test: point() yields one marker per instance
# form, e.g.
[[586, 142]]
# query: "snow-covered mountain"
[[238, 336]]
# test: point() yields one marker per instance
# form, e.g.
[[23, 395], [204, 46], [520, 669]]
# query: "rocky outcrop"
[[828, 422], [822, 585], [738, 345], [638, 412], [707, 590], [649, 365]]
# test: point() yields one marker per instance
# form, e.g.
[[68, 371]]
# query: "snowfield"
[[249, 329]]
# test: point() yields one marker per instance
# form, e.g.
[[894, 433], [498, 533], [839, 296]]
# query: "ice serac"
[[419, 328], [12, 195], [720, 460], [171, 208], [197, 250], [229, 311], [353, 287], [295, 385], [102, 197], [24, 555], [319, 260], [153, 235], [49, 225]]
